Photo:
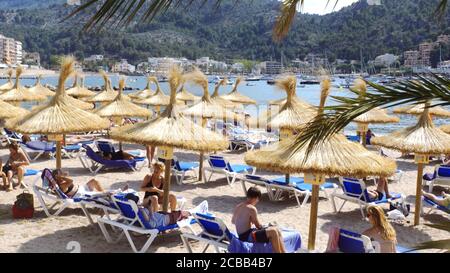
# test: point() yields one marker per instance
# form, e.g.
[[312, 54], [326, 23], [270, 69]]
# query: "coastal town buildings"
[[11, 51]]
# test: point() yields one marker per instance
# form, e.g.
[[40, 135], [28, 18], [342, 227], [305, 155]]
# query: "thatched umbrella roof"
[[215, 97], [39, 89], [334, 156], [171, 128], [10, 111], [78, 90], [418, 109], [121, 107], [205, 108], [8, 85], [293, 114], [185, 96], [20, 93], [423, 138], [157, 99], [376, 115], [237, 97], [59, 115], [445, 128], [106, 95], [147, 92]]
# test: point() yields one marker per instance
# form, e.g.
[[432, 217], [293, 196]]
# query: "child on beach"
[[381, 230]]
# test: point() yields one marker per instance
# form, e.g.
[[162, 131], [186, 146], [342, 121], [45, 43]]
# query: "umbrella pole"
[[363, 136], [166, 186], [313, 217], [418, 194], [58, 154], [200, 167]]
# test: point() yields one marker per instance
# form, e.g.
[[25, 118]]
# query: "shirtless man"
[[245, 216]]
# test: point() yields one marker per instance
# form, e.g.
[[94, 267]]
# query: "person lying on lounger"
[[443, 201], [381, 191], [72, 190], [245, 216], [161, 219], [15, 165], [381, 230], [119, 155]]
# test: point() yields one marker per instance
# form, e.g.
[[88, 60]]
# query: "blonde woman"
[[381, 230], [153, 185]]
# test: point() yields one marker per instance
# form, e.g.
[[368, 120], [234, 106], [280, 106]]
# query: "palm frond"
[[433, 88]]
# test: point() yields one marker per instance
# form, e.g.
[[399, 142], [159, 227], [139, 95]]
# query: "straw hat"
[[171, 128], [335, 156], [237, 97], [106, 95], [39, 89], [418, 109], [376, 115], [293, 114], [157, 99], [185, 96], [205, 108], [59, 115], [9, 85], [10, 111], [423, 138], [147, 92], [20, 93], [79, 91], [215, 97], [121, 107]]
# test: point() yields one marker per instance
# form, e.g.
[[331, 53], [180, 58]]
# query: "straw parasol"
[[171, 130], [10, 111], [445, 128], [205, 108], [185, 96], [19, 93], [335, 156], [235, 96], [423, 139], [79, 91], [39, 89], [435, 111], [106, 95], [147, 92], [158, 99], [59, 116], [9, 85], [374, 116], [215, 97]]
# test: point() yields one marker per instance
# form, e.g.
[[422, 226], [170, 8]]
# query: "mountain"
[[27, 4], [240, 30]]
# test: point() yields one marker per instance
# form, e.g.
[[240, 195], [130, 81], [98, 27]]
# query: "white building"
[[386, 60], [11, 51], [123, 66], [94, 58], [237, 67]]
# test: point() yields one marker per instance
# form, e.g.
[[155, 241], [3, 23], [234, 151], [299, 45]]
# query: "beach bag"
[[24, 206]]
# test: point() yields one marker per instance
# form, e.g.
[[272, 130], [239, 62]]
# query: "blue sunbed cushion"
[[239, 168], [434, 204], [29, 172], [292, 179], [350, 243], [185, 166], [429, 176], [308, 187], [444, 171], [385, 200], [71, 148], [402, 249], [292, 242]]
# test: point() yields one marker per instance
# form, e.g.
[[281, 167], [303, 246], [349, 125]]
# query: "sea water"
[[257, 90]]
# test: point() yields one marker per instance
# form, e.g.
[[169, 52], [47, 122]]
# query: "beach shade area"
[[106, 95], [374, 116], [418, 109], [59, 116], [145, 93], [19, 93], [424, 140], [236, 97], [205, 108], [171, 130], [10, 111], [186, 96], [78, 90], [9, 84], [334, 156], [156, 100], [39, 89]]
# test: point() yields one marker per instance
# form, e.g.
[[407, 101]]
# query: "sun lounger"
[[351, 242], [440, 176], [218, 164], [354, 190], [42, 147], [49, 190], [108, 147], [432, 206], [132, 221], [94, 162], [353, 138], [215, 233], [180, 168]]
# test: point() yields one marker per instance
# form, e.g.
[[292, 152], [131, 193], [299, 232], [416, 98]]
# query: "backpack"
[[24, 206]]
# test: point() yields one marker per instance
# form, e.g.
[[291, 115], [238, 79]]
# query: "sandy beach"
[[43, 234]]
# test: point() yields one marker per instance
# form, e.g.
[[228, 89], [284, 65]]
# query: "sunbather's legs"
[[172, 202], [94, 185], [383, 187], [275, 238], [10, 175], [5, 182], [20, 175], [154, 203], [127, 156], [150, 154], [434, 198]]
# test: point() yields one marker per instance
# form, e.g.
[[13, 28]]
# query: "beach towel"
[[333, 240], [292, 242]]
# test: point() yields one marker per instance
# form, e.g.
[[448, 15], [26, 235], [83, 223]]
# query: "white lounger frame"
[[230, 176]]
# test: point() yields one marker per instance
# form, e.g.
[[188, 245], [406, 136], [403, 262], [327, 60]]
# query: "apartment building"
[[11, 51]]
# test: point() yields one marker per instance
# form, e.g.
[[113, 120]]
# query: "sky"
[[320, 6]]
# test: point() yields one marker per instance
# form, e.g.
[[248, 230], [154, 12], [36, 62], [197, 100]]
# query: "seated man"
[[245, 216], [444, 201]]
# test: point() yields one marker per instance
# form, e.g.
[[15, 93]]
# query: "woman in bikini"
[[72, 190], [153, 187], [15, 165]]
